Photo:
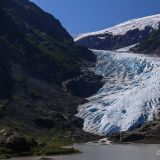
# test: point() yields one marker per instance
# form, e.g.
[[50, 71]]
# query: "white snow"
[[126, 49], [130, 96], [140, 23], [102, 37]]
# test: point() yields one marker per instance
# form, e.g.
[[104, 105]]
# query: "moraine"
[[129, 97]]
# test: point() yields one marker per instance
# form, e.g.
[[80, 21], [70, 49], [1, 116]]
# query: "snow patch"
[[102, 38], [126, 49]]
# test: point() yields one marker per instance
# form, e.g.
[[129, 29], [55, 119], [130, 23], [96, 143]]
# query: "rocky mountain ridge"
[[150, 45], [120, 36]]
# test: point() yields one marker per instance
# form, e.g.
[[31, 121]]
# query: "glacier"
[[129, 97]]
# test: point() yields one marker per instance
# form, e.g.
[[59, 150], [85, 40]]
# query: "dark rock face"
[[31, 17], [147, 133], [6, 83], [111, 42], [37, 41], [85, 85], [127, 137], [133, 137], [150, 45]]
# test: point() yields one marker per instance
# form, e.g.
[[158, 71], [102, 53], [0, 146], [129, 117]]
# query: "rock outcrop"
[[147, 133], [150, 45], [15, 141], [85, 85]]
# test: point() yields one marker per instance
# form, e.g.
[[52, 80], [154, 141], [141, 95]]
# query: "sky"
[[81, 16]]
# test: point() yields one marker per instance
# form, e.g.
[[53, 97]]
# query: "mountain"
[[38, 60], [126, 108], [125, 34], [150, 45]]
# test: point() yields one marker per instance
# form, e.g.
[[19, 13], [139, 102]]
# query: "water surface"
[[110, 152]]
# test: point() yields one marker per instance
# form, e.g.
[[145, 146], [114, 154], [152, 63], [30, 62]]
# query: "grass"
[[5, 153], [62, 54], [55, 146], [47, 146]]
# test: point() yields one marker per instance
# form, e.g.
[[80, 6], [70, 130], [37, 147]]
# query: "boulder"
[[131, 137], [127, 136], [85, 85], [15, 141]]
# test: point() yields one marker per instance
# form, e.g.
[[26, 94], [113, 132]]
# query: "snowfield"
[[123, 28], [130, 96]]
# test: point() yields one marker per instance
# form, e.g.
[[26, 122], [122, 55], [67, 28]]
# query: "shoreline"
[[82, 147]]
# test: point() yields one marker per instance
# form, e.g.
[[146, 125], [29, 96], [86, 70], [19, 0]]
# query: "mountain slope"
[[120, 36], [26, 27], [37, 55]]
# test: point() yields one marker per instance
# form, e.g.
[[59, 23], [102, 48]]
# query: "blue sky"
[[80, 16]]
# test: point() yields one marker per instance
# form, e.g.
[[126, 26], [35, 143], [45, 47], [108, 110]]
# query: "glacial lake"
[[109, 152]]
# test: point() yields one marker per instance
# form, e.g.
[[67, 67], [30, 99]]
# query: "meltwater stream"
[[130, 96]]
